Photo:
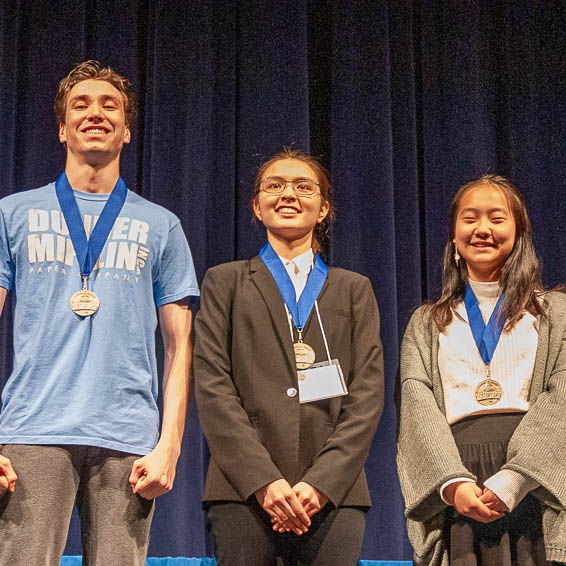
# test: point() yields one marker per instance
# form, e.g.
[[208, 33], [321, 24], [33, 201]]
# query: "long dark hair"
[[521, 274], [320, 234]]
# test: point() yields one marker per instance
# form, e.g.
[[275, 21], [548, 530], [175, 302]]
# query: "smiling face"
[[287, 217], [484, 233], [95, 128]]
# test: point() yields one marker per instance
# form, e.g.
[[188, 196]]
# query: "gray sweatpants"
[[34, 519]]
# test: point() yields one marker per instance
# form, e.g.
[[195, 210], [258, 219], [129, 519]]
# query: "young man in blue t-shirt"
[[88, 262]]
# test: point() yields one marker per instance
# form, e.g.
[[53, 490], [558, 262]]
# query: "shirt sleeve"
[[427, 455], [510, 486], [7, 268], [447, 483], [341, 459], [232, 439], [175, 277], [537, 448]]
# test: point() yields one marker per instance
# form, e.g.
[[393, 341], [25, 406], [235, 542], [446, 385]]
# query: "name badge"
[[321, 381]]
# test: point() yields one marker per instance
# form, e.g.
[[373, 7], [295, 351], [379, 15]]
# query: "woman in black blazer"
[[289, 384]]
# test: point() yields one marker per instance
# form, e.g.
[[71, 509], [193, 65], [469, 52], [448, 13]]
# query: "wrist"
[[462, 479], [449, 492], [170, 448]]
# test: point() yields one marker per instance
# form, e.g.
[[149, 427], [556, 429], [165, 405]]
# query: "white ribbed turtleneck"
[[462, 369]]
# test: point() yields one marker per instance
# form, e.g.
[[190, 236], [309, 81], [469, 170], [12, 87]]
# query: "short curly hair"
[[92, 69]]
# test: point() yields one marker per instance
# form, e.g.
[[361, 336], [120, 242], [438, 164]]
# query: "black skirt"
[[515, 539]]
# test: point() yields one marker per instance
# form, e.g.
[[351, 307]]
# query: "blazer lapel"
[[312, 314], [263, 280]]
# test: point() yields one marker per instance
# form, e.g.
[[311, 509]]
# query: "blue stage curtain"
[[405, 100]]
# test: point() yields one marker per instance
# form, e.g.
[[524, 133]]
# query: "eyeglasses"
[[276, 185]]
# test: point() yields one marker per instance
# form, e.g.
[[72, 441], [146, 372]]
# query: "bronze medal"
[[304, 355], [488, 392], [84, 302]]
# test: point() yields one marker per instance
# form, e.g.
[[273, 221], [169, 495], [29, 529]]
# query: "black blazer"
[[246, 378]]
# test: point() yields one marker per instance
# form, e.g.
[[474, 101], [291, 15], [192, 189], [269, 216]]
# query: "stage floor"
[[179, 561]]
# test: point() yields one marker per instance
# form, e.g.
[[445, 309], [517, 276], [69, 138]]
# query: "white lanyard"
[[290, 320]]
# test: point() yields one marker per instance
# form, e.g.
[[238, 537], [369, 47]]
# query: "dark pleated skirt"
[[515, 539]]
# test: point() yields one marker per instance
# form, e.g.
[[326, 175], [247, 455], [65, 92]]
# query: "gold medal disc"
[[84, 302], [488, 392], [304, 355]]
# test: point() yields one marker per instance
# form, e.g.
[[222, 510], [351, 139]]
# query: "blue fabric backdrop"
[[405, 100]]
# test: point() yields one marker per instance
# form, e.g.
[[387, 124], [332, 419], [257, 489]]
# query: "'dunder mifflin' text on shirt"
[[49, 243]]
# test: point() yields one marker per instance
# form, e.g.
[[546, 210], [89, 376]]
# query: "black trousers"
[[243, 536]]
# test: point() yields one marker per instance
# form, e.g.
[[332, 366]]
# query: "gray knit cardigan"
[[427, 455]]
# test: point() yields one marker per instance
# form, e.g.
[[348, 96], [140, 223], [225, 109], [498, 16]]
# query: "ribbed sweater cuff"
[[510, 486]]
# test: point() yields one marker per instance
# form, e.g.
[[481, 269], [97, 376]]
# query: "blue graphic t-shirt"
[[91, 380]]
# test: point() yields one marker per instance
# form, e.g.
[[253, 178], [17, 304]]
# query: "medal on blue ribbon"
[[86, 302], [301, 309], [489, 391]]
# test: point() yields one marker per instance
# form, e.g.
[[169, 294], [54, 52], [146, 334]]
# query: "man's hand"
[[154, 474], [465, 496], [283, 506], [7, 475]]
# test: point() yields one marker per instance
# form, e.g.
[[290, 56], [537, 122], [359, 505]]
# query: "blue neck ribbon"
[[300, 310], [486, 337], [88, 251]]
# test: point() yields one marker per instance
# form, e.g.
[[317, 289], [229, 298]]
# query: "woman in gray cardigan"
[[481, 450]]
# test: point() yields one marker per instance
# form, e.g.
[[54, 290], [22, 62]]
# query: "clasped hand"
[[153, 475], [473, 502], [7, 475], [290, 508]]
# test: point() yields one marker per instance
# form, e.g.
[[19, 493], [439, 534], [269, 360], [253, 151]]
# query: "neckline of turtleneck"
[[485, 291]]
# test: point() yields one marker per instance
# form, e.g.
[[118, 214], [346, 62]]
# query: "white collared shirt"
[[299, 269]]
